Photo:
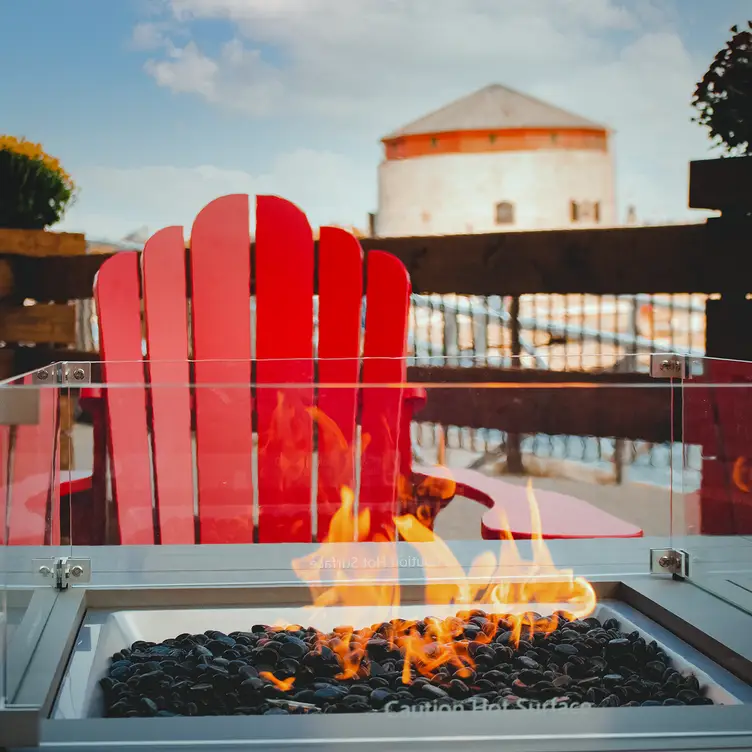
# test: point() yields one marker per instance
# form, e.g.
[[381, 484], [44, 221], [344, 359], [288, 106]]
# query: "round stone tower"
[[492, 161]]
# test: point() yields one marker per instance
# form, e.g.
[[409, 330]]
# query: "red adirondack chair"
[[145, 420]]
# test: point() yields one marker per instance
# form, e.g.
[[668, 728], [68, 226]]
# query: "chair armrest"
[[90, 394], [413, 400], [415, 397]]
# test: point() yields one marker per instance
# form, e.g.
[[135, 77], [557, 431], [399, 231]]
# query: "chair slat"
[[118, 299], [34, 518], [221, 276], [4, 484], [340, 272], [163, 267], [385, 348], [284, 352], [54, 506]]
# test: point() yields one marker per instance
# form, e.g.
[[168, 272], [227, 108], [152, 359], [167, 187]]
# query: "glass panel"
[[31, 516], [218, 457], [716, 507], [354, 503]]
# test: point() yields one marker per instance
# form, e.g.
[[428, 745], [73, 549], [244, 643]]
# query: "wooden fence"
[[48, 325], [52, 323], [711, 258]]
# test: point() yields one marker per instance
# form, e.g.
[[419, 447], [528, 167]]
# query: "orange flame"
[[507, 584], [285, 685], [348, 571]]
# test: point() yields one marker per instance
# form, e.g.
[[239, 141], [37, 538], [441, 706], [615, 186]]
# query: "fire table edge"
[[706, 622]]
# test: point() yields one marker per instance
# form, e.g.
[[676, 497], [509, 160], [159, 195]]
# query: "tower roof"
[[494, 107]]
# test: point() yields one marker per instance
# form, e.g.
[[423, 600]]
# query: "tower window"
[[434, 142], [585, 211], [505, 213]]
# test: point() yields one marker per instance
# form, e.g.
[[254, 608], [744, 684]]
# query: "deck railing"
[[543, 305]]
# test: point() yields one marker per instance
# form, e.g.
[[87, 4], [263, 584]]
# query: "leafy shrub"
[[34, 189], [724, 96]]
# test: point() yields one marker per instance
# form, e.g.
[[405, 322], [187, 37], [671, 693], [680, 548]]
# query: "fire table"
[[393, 638]]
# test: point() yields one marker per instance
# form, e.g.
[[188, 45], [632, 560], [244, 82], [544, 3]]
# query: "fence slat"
[[618, 261]]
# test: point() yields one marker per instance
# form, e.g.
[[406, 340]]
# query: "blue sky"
[[158, 106]]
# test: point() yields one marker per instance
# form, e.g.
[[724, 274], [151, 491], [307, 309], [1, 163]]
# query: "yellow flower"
[[35, 151]]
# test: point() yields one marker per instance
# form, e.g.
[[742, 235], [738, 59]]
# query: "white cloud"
[[378, 57], [148, 36], [239, 76], [369, 66], [121, 200], [186, 70]]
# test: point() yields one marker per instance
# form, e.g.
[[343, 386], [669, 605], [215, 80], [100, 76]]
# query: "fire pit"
[[468, 660], [511, 631], [224, 644], [360, 637]]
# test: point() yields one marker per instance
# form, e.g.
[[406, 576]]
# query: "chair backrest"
[[30, 476], [150, 420]]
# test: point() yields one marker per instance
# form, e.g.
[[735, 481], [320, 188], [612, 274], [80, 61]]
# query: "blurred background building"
[[495, 160]]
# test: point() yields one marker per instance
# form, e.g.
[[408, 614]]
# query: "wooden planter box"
[[44, 322], [40, 322]]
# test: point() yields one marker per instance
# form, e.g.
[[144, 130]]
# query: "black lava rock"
[[270, 671]]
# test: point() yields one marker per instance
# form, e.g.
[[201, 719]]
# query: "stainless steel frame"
[[546, 731], [263, 564], [23, 640], [104, 631], [164, 577]]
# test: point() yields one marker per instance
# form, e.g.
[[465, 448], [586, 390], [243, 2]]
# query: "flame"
[[438, 642], [505, 584], [739, 473], [424, 500], [285, 685]]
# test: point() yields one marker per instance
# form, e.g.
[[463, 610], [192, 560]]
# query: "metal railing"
[[555, 332], [562, 333], [546, 332]]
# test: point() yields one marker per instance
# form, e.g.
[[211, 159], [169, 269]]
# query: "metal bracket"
[[78, 374], [73, 374], [668, 366], [63, 571], [47, 376], [669, 561]]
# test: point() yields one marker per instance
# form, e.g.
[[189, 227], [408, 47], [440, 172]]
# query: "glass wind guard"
[[716, 520], [230, 472], [34, 527]]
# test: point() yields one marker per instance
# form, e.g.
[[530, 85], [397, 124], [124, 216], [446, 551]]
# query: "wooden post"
[[67, 407], [6, 364], [514, 444], [728, 327], [728, 320], [724, 185], [6, 278]]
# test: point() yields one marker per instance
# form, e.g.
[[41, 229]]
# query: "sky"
[[156, 107]]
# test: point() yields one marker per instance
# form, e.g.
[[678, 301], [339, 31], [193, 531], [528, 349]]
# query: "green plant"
[[724, 96], [35, 190]]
